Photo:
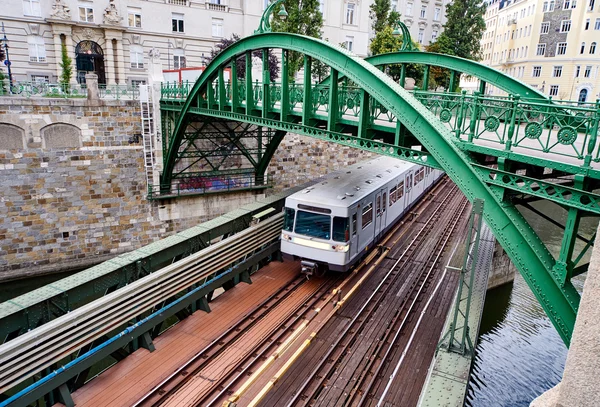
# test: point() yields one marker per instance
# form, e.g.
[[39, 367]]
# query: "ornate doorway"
[[89, 58]]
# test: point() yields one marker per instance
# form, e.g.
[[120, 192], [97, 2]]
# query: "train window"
[[288, 219], [313, 224], [400, 192], [393, 195], [378, 205], [354, 225], [383, 206], [367, 215], [340, 229]]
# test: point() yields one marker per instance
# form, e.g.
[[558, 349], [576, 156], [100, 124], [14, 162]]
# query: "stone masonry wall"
[[74, 189]]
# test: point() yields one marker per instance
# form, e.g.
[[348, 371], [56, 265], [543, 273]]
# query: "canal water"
[[519, 354]]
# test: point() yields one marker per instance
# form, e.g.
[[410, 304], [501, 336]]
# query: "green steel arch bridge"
[[507, 150]]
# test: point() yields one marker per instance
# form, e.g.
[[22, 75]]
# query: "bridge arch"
[[559, 300]]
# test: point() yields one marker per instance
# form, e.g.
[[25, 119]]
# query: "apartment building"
[[552, 45]]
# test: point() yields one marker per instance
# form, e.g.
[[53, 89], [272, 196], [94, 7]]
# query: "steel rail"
[[48, 344], [164, 389], [448, 233], [429, 224]]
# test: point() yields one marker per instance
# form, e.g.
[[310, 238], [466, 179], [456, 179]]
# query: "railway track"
[[182, 381], [357, 333]]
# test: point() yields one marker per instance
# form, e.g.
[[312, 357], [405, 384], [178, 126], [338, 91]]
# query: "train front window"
[[340, 229], [313, 224], [288, 219]]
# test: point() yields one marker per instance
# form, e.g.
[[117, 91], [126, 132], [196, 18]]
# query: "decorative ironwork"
[[492, 123], [89, 48], [445, 115], [567, 135]]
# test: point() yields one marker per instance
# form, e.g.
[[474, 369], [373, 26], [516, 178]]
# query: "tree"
[[65, 65], [382, 16], [385, 42], [241, 61], [461, 36], [304, 17]]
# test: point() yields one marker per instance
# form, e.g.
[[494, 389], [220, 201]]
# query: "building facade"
[[112, 38], [552, 45]]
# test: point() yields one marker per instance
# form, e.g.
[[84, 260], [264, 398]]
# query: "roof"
[[350, 185]]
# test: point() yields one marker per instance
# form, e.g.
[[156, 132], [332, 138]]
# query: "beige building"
[[113, 37], [552, 45]]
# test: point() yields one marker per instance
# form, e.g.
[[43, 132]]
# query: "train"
[[331, 225]]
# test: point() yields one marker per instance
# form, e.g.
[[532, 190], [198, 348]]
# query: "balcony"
[[217, 7]]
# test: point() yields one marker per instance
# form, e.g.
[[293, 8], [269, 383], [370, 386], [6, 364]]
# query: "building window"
[[537, 71], [561, 48], [587, 24], [582, 50], [37, 49], [136, 83], [134, 17], [86, 14], [409, 9], [177, 22], [591, 7], [582, 96], [436, 14], [217, 27], [557, 72], [553, 90], [32, 8], [136, 56], [565, 26], [541, 50], [40, 79], [567, 4], [350, 13], [545, 29], [420, 37], [548, 6], [178, 61], [597, 24], [349, 43], [322, 6], [434, 35], [423, 11], [593, 48], [577, 71], [367, 215], [587, 72]]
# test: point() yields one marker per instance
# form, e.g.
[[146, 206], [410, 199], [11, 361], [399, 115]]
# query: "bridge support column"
[[482, 85], [402, 75], [425, 86], [307, 100], [333, 101], [266, 103], [249, 93], [285, 86], [452, 83]]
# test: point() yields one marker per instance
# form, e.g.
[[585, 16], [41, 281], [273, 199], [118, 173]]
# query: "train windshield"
[[313, 224], [288, 219], [340, 229]]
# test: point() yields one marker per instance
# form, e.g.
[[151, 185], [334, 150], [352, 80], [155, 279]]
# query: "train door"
[[353, 232], [408, 187], [380, 212]]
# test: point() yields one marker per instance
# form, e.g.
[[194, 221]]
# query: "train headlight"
[[343, 248], [286, 237]]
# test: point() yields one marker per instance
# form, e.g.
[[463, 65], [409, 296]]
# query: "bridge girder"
[[440, 147]]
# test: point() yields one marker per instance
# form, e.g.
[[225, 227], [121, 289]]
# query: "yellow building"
[[552, 45]]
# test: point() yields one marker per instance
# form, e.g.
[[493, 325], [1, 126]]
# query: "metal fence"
[[67, 91]]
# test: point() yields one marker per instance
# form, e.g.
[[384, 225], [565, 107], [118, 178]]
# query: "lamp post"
[[264, 26], [7, 60], [401, 29]]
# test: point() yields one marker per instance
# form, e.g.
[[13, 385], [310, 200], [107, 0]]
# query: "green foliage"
[[463, 30], [385, 42], [381, 15], [65, 65], [304, 17]]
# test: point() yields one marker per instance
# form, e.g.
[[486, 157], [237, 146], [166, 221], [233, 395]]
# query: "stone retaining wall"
[[74, 189]]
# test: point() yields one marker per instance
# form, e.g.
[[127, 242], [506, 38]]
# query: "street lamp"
[[7, 60], [264, 26], [401, 29]]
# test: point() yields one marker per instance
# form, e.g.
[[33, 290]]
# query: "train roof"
[[345, 187]]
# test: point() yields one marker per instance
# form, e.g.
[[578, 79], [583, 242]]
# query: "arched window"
[[37, 48], [582, 48], [593, 48], [583, 95], [136, 56]]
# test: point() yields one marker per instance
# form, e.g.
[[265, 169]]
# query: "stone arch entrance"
[[89, 59]]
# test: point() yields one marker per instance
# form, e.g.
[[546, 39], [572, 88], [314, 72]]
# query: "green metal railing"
[[67, 91]]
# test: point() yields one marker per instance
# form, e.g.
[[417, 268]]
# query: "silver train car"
[[331, 225]]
